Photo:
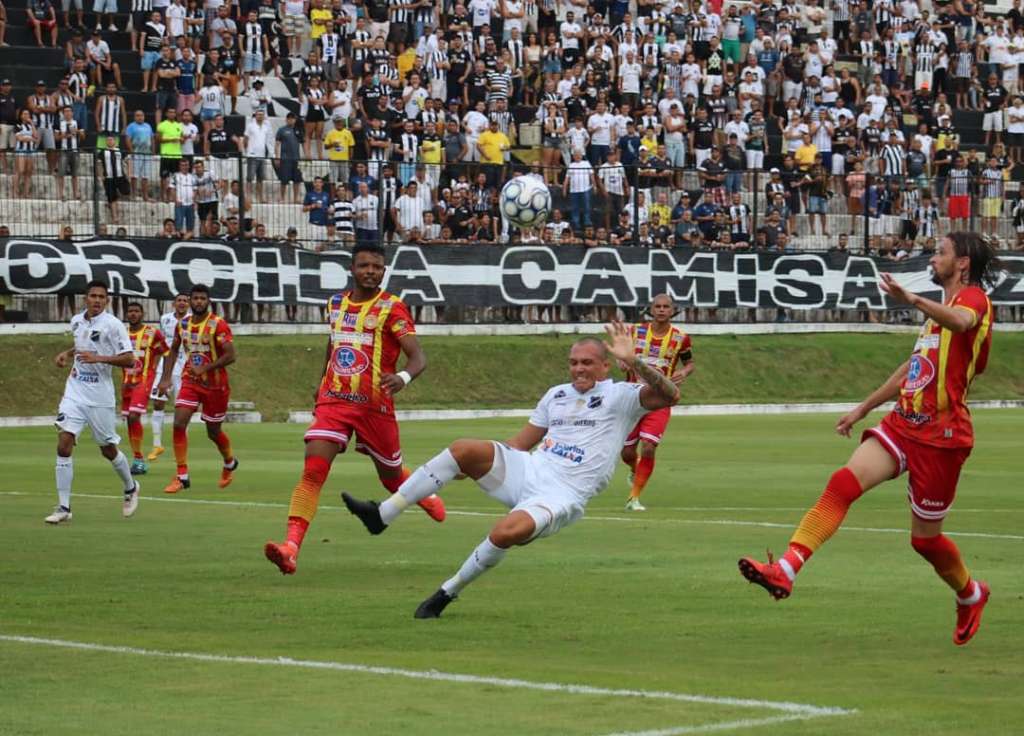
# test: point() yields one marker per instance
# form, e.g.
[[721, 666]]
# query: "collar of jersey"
[[596, 385]]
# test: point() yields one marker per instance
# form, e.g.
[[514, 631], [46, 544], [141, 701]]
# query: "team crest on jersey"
[[920, 373], [94, 336], [371, 322], [350, 362], [594, 401]]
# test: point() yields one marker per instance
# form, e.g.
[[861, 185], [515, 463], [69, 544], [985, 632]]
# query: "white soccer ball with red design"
[[525, 201]]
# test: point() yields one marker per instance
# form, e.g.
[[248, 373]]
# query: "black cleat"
[[367, 511], [433, 606]]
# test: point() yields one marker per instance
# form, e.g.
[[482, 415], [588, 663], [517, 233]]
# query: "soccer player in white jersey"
[[169, 326], [577, 429], [101, 342]]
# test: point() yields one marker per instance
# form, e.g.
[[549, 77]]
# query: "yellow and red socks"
[[135, 437], [223, 443], [181, 450], [823, 520], [393, 483], [944, 556], [642, 470], [306, 498]]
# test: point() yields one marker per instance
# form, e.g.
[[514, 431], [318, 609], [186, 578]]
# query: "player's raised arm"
[[955, 319], [659, 390], [886, 392]]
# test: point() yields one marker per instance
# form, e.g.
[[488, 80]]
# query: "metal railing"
[[267, 199]]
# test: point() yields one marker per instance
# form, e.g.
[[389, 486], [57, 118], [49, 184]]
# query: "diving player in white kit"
[[577, 429]]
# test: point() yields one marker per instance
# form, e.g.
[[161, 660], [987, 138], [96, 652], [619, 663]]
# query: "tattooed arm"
[[659, 391]]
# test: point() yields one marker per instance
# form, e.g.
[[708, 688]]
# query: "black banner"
[[474, 275]]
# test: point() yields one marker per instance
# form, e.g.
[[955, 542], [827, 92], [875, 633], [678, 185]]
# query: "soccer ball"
[[525, 201]]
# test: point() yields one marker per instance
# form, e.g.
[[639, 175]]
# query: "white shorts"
[[73, 417], [993, 121], [755, 159], [516, 480], [222, 168], [175, 386]]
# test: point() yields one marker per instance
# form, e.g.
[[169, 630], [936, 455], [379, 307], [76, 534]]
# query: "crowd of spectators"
[[415, 112]]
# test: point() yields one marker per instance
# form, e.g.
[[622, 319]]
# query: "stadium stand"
[[884, 91]]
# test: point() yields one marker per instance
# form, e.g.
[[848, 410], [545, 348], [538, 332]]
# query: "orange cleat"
[[227, 475], [769, 576], [968, 616], [177, 485], [283, 555], [434, 507]]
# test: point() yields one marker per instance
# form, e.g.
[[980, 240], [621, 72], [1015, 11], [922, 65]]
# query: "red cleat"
[[434, 507], [283, 555], [769, 576], [968, 616], [227, 474]]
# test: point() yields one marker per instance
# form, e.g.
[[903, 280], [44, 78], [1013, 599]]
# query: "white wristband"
[[406, 378]]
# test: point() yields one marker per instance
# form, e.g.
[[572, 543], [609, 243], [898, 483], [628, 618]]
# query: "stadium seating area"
[[587, 61]]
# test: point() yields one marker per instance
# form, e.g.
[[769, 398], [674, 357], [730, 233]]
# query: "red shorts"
[[933, 471], [959, 206], [651, 427], [135, 398], [376, 433], [213, 400]]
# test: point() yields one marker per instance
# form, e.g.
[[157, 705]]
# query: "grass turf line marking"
[[800, 710], [492, 514], [713, 727]]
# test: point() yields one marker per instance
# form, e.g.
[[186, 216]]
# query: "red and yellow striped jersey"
[[148, 343], [364, 345], [661, 353], [932, 405], [202, 340]]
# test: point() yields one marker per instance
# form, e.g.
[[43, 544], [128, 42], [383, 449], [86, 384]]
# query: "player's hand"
[[163, 388], [896, 292], [845, 425], [391, 383], [87, 356], [61, 360], [622, 346], [678, 377]]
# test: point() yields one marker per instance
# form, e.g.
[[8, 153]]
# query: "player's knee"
[[648, 450], [462, 451], [510, 532], [213, 431]]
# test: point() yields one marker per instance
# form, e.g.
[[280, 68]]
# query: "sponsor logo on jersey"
[[920, 373], [350, 319], [346, 396], [349, 361], [927, 342], [572, 453], [353, 338]]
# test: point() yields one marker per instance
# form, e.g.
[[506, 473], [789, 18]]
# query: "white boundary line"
[[634, 519], [714, 727], [793, 711]]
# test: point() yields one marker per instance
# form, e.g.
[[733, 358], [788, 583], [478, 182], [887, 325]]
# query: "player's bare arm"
[[415, 364], [527, 438], [61, 359], [956, 319], [166, 378], [227, 357], [121, 360], [886, 392], [659, 391]]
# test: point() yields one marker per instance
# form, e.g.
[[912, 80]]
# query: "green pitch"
[[645, 602]]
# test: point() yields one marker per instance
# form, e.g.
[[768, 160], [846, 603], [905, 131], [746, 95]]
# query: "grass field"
[[649, 602], [503, 370]]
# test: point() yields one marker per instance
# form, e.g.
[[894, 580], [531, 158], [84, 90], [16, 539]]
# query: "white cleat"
[[633, 504], [131, 501], [59, 515]]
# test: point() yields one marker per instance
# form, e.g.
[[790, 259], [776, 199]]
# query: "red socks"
[[946, 559], [223, 443], [823, 520], [393, 483], [135, 437], [641, 474], [181, 450], [306, 498]]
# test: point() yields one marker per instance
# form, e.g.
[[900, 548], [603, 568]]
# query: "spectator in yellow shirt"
[[338, 143], [318, 18], [492, 145], [805, 154]]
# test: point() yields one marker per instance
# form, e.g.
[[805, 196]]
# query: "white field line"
[[633, 519], [801, 710], [714, 727]]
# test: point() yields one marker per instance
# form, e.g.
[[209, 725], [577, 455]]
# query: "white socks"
[[426, 480], [65, 472], [120, 464], [484, 557], [973, 597], [156, 420]]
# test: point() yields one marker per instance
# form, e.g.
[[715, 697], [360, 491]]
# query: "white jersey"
[[91, 384], [585, 433], [169, 326]]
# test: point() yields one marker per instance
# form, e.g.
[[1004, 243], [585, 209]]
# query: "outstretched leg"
[[392, 478], [869, 465]]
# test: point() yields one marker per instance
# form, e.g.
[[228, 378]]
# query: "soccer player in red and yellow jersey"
[[928, 434], [207, 342], [663, 347], [369, 329], [149, 344]]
